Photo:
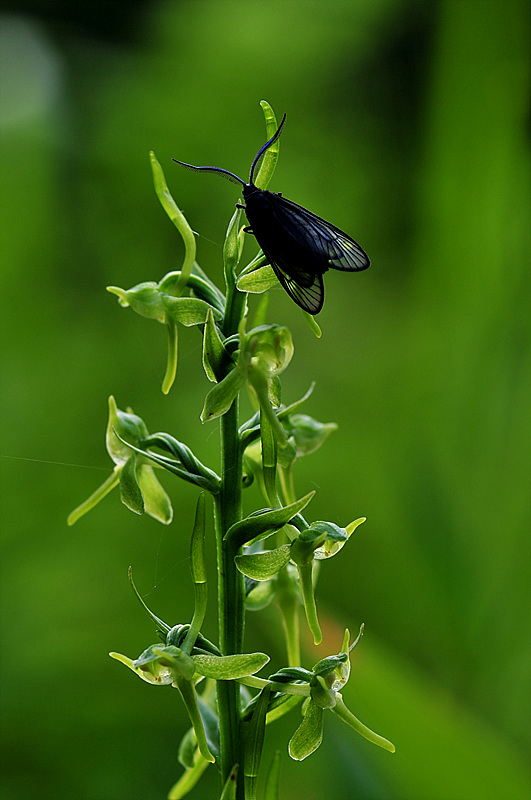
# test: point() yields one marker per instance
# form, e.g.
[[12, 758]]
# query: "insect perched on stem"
[[299, 245]]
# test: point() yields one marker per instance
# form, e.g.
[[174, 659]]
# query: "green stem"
[[230, 593]]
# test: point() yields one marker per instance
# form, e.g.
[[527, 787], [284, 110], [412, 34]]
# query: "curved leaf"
[[260, 525]]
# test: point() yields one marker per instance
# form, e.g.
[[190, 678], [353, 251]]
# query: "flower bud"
[[270, 348], [307, 433]]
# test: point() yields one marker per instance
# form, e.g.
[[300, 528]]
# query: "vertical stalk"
[[230, 593]]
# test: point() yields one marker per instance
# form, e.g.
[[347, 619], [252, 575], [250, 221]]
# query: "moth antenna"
[[265, 147], [225, 172]]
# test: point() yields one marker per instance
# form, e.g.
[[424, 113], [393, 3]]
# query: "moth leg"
[[240, 205], [248, 229]]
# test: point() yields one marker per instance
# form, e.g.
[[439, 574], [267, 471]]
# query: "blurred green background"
[[407, 125]]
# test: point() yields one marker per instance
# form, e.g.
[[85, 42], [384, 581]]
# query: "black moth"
[[299, 245]]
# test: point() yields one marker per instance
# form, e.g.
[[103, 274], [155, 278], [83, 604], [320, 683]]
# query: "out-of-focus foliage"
[[407, 126]]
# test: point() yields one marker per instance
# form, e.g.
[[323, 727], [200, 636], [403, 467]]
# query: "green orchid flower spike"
[[269, 551]]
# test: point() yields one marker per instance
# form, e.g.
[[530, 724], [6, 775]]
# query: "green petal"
[[130, 493], [258, 281], [156, 502], [233, 245], [351, 527], [188, 310], [308, 735], [262, 566], [226, 668], [221, 397], [257, 526]]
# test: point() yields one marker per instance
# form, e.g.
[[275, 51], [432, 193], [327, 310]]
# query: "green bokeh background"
[[408, 127]]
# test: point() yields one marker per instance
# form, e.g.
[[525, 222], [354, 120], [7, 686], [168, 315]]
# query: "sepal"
[[222, 395], [259, 280], [226, 668], [199, 283], [188, 311], [262, 566], [123, 425]]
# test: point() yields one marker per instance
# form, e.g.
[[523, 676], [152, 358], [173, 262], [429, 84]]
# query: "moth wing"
[[308, 297], [304, 286], [323, 241]]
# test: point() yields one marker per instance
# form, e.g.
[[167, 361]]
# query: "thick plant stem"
[[230, 592]]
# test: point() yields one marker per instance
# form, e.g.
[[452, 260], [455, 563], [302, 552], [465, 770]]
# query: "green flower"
[[324, 681], [139, 488], [263, 354], [163, 301], [164, 665], [317, 542], [156, 301]]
